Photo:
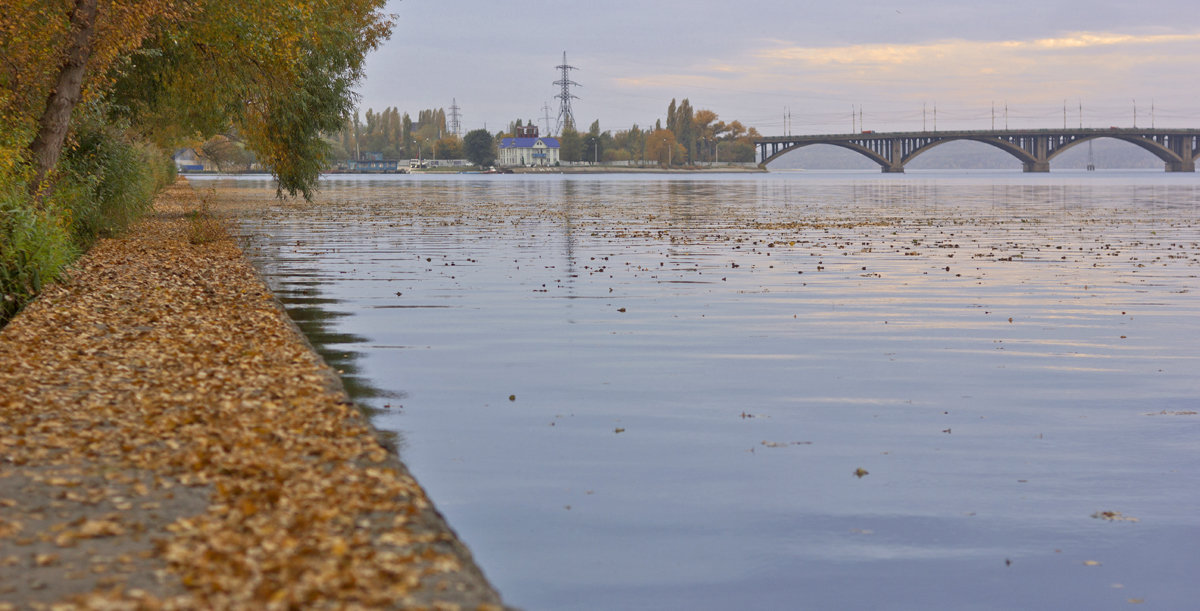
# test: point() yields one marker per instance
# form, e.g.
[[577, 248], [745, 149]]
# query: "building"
[[372, 163], [186, 160], [527, 149]]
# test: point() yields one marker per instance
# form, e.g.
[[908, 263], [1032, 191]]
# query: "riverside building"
[[527, 149]]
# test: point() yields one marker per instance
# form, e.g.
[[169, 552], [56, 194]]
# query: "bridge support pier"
[[1036, 166], [896, 159], [1187, 165]]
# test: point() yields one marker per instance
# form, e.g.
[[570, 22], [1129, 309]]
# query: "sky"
[[899, 65]]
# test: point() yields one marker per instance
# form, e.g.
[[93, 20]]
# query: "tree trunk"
[[52, 131]]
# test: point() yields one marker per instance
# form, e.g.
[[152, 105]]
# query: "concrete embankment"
[[170, 440]]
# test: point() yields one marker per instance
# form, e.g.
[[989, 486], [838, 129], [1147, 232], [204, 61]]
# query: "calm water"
[[655, 393]]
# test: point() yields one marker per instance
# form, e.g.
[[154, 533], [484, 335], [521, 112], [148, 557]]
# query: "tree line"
[[689, 138], [396, 136]]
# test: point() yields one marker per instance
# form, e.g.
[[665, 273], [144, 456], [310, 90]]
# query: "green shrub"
[[108, 181], [105, 181], [34, 247]]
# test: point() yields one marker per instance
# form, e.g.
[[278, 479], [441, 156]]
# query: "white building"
[[528, 151]]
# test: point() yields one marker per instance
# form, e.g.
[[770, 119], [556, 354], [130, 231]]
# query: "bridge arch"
[[1154, 148], [1021, 154], [850, 146]]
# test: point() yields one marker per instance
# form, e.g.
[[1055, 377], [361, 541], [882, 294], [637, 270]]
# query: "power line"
[[566, 117]]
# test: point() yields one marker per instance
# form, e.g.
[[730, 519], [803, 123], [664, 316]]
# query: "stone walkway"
[[168, 439]]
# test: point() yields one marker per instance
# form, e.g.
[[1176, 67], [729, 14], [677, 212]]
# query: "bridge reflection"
[[1177, 148]]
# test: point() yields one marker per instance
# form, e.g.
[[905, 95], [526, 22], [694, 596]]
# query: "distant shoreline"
[[637, 170], [537, 170]]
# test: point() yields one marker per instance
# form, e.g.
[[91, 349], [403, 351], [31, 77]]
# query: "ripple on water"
[[699, 367]]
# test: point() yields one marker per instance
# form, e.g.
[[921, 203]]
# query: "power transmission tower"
[[546, 109], [455, 124], [565, 116]]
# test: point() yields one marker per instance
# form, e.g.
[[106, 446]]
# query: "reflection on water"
[[299, 290], [698, 367]]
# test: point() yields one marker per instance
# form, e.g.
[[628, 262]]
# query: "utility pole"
[[1135, 114], [566, 117], [852, 118], [1080, 113], [455, 124], [993, 115]]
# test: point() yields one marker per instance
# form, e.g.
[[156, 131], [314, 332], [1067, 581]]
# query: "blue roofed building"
[[527, 149]]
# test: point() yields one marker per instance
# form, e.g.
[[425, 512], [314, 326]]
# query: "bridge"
[[1178, 148]]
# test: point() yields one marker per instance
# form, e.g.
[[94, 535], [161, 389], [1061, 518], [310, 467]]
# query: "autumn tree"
[[703, 124], [61, 53], [448, 147], [281, 72], [662, 148]]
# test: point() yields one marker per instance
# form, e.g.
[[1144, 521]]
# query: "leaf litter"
[[171, 441]]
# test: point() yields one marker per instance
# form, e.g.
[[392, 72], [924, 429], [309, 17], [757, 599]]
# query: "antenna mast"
[[565, 116]]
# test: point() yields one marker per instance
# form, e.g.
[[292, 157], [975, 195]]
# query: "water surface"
[[655, 393]]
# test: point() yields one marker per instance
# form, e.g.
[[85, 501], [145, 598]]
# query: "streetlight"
[[669, 151]]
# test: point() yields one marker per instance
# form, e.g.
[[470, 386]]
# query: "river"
[[778, 391]]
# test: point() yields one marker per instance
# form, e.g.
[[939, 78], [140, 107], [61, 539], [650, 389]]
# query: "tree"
[[60, 54], [570, 144], [662, 148], [705, 129], [479, 147], [226, 153], [593, 143], [448, 147], [685, 131], [406, 127], [282, 74], [68, 87]]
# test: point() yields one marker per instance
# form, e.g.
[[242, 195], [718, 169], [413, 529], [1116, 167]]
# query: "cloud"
[[965, 78], [1087, 39], [1096, 56]]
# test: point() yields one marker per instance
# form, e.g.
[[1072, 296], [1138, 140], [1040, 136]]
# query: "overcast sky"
[[895, 61]]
